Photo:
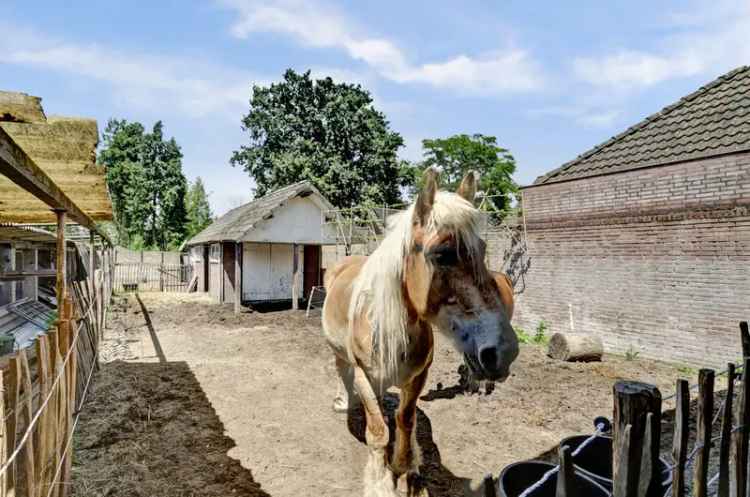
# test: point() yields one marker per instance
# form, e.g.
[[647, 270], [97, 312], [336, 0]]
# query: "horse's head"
[[447, 281]]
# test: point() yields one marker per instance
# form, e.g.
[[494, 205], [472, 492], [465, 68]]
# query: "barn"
[[268, 250], [644, 240]]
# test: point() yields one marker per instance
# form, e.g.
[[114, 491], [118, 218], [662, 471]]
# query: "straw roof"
[[62, 147]]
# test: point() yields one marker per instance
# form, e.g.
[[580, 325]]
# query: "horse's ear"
[[468, 187], [426, 197]]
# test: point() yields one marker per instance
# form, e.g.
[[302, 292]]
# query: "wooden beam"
[[20, 275], [295, 275], [92, 264], [61, 268], [18, 167], [237, 277]]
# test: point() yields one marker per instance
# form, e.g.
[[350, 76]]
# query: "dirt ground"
[[193, 400]]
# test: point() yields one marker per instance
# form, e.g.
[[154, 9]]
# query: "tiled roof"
[[233, 225], [712, 121]]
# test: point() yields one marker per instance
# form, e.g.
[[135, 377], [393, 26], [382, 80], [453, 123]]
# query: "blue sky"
[[550, 80]]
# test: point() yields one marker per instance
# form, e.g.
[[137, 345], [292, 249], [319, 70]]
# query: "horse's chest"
[[413, 356]]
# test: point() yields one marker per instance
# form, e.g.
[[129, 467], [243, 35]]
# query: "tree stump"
[[575, 347]]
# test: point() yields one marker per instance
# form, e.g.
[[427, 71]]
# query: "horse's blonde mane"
[[378, 289]]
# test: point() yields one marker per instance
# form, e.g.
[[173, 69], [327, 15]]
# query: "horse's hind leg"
[[345, 396]]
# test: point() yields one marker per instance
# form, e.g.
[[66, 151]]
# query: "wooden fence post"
[[726, 434], [633, 401], [738, 480], [703, 432], [680, 439]]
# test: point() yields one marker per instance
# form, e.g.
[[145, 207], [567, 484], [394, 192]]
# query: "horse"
[[427, 274]]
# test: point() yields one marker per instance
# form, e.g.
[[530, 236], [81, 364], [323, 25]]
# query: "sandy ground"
[[268, 380]]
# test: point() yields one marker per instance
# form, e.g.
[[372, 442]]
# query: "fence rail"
[[44, 388], [157, 277]]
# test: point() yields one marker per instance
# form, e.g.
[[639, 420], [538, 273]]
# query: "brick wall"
[[657, 260]]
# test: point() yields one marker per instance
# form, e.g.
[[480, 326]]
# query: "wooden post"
[[726, 434], [35, 282], [565, 475], [680, 440], [92, 264], [161, 272], [745, 338], [633, 401], [237, 277], [3, 437], [295, 274], [60, 286], [12, 268], [738, 480], [489, 486], [703, 432]]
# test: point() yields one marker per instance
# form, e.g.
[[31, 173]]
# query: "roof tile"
[[711, 121]]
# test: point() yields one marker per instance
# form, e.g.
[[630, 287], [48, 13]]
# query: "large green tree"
[[198, 209], [325, 132], [145, 180], [458, 154]]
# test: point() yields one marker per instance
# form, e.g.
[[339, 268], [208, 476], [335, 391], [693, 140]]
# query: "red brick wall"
[[657, 260]]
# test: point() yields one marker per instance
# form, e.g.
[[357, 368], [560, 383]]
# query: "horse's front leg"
[[376, 432], [406, 457]]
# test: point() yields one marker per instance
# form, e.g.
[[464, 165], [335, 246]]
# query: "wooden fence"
[[44, 388], [636, 440], [137, 276]]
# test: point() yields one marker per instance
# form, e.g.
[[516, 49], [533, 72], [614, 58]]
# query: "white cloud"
[[635, 69], [711, 39], [139, 81], [315, 24], [588, 116]]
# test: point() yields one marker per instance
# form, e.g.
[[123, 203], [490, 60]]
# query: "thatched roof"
[[62, 147], [235, 224]]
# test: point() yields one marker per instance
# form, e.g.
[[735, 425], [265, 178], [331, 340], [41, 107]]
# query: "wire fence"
[[155, 277]]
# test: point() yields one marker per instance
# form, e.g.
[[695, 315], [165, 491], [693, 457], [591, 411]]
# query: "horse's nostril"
[[488, 357]]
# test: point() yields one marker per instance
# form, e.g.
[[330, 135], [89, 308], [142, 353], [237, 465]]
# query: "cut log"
[[575, 347]]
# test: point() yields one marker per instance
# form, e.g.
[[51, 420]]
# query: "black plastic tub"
[[517, 477], [595, 461]]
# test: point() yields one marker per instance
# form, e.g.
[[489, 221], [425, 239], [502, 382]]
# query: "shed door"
[[311, 269], [228, 263]]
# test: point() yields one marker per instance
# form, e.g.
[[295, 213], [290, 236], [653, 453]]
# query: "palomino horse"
[[380, 311]]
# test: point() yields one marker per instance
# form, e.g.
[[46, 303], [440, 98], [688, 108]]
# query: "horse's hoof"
[[340, 405], [411, 485]]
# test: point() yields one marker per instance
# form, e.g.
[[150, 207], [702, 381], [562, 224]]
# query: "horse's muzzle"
[[492, 371]]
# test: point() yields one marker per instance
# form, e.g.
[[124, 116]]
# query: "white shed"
[[271, 246]]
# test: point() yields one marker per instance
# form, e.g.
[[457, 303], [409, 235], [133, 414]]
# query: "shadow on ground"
[[439, 480], [148, 429]]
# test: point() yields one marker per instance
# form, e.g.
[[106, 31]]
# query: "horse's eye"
[[445, 257]]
